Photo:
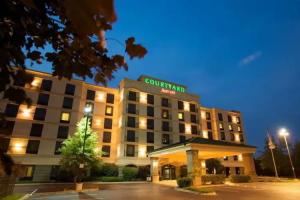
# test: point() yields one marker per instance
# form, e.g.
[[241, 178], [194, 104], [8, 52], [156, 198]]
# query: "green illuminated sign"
[[164, 85]]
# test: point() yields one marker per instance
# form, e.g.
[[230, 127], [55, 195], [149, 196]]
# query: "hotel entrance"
[[168, 172]]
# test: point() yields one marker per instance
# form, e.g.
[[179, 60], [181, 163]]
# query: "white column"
[[154, 169], [194, 166]]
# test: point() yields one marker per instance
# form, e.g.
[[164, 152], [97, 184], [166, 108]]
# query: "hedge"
[[239, 178], [213, 179], [111, 179], [184, 182], [130, 173]]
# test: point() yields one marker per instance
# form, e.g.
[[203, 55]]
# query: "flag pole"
[[271, 147]]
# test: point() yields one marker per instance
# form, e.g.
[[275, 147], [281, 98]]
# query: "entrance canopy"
[[206, 149]]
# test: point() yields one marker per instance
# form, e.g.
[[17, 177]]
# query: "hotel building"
[[138, 117]]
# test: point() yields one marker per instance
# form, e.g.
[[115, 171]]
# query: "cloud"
[[250, 58]]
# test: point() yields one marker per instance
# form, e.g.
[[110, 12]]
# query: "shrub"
[[239, 178], [64, 176], [109, 170], [143, 172], [184, 182], [111, 179], [130, 173], [213, 179]]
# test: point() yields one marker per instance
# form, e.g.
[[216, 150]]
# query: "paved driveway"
[[145, 191]]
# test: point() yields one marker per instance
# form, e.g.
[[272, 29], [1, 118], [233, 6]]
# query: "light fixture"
[[87, 109], [283, 132]]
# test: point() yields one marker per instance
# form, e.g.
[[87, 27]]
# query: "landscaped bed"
[[13, 197]]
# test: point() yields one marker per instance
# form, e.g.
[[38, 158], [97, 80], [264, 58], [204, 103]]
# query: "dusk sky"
[[239, 55]]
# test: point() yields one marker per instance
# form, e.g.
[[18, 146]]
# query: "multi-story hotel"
[[136, 118]]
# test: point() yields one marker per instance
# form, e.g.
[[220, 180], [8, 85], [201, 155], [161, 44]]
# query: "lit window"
[[221, 126], [239, 129], [180, 116], [109, 110], [230, 127], [65, 117]]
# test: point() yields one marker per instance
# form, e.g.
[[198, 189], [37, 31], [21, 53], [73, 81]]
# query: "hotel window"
[[32, 147], [110, 98], [210, 135], [130, 137], [4, 144], [239, 129], [208, 116], [229, 118], [165, 114], [132, 96], [238, 120], [43, 99], [181, 128], [90, 95], [221, 126], [63, 132], [70, 89], [6, 127], [150, 137], [165, 102], [131, 108], [109, 110], [106, 151], [220, 116], [223, 136], [150, 99], [241, 138], [11, 110], [107, 123], [68, 102], [230, 127], [231, 136], [193, 118], [46, 85], [193, 107], [106, 137], [150, 149], [181, 138], [65, 117], [131, 122], [58, 145], [181, 116], [40, 114], [165, 126], [150, 124], [235, 158], [194, 130], [130, 150], [180, 105], [150, 111], [208, 124], [36, 130], [165, 139]]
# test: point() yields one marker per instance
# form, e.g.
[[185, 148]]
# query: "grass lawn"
[[13, 197], [203, 190]]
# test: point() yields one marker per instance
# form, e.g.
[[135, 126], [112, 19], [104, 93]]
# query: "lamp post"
[[284, 133], [87, 110]]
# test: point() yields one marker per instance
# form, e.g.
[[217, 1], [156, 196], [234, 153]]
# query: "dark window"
[[225, 158], [181, 138], [194, 130], [241, 138], [150, 124], [36, 130], [68, 102], [4, 144], [208, 125], [11, 110], [132, 96], [46, 85], [70, 89], [180, 105], [192, 107], [63, 132], [229, 118], [33, 146], [106, 151], [220, 116], [6, 127], [210, 135], [165, 102], [110, 98], [193, 118], [109, 110], [130, 136], [231, 136], [130, 150], [150, 111], [43, 99], [150, 99], [181, 128], [165, 126], [165, 139], [207, 115], [235, 158], [150, 149], [90, 95], [40, 114], [131, 108], [150, 137], [58, 145], [223, 136], [107, 123], [106, 137], [165, 114], [131, 122]]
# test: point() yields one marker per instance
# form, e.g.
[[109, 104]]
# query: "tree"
[[296, 157], [68, 34], [72, 150], [214, 165]]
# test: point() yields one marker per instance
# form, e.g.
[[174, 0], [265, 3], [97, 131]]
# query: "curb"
[[95, 182], [197, 193]]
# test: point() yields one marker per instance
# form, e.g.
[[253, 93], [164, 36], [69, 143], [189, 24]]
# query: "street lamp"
[[284, 133], [87, 110]]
